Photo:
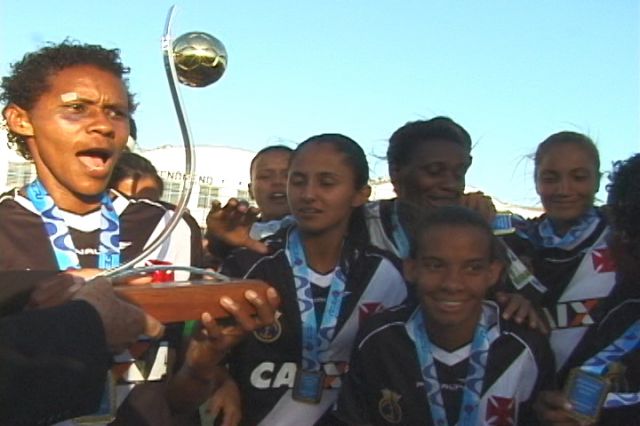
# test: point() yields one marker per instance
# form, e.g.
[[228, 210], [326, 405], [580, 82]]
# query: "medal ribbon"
[[399, 235], [475, 372], [598, 364], [577, 234], [58, 232], [314, 341]]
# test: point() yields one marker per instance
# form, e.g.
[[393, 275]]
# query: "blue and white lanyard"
[[475, 375], [577, 234], [399, 235], [58, 232], [314, 341], [598, 364]]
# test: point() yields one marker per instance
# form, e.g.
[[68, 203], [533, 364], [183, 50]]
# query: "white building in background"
[[222, 172], [14, 170]]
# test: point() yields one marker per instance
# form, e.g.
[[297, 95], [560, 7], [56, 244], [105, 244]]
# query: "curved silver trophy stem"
[[190, 158]]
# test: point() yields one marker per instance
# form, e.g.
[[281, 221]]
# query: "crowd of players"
[[404, 311]]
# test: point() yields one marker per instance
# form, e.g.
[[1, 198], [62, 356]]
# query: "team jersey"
[[578, 284], [380, 227], [265, 364], [385, 386], [24, 245]]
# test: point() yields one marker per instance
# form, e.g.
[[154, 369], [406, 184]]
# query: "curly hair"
[[624, 200], [31, 76]]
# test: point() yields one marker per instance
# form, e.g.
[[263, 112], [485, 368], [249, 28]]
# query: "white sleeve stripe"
[[379, 329], [259, 261]]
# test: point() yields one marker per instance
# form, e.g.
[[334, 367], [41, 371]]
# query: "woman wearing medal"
[[611, 355], [428, 161], [329, 279], [452, 360], [568, 248], [569, 252], [67, 108]]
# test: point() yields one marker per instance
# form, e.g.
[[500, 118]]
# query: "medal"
[[588, 386], [67, 258], [308, 386], [309, 381], [475, 376], [60, 238], [586, 392], [502, 224]]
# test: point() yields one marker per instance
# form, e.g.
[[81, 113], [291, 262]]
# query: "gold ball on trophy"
[[200, 59]]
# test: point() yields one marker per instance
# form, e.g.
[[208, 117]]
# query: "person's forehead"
[[86, 82], [567, 155], [272, 158], [318, 158], [438, 150], [440, 237]]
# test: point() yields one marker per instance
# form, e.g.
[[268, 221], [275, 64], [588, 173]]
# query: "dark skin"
[[199, 376], [232, 224], [553, 408]]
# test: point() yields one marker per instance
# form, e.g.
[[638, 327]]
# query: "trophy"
[[195, 59]]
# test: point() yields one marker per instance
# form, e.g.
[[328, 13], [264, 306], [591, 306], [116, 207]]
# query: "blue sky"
[[511, 72]]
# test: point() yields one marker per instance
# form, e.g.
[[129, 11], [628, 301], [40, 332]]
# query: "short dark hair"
[[454, 216], [566, 137], [30, 77], [403, 141], [134, 166], [624, 201], [267, 149]]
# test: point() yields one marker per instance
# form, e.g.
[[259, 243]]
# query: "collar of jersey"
[[83, 223], [490, 311]]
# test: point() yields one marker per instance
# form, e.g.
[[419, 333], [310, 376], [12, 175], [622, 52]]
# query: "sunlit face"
[[321, 189], [269, 183], [567, 181], [140, 187], [75, 132], [435, 174], [452, 272]]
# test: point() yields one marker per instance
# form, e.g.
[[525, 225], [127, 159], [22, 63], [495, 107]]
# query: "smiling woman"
[[425, 364], [569, 252]]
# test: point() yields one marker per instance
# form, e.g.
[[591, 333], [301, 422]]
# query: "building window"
[[207, 194], [172, 191], [20, 174], [243, 194]]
